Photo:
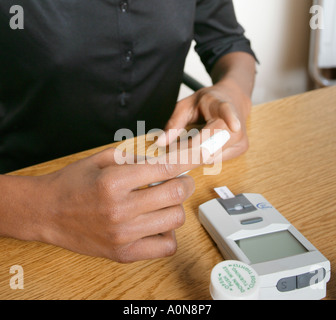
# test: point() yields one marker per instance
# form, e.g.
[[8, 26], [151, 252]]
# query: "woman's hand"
[[224, 106]]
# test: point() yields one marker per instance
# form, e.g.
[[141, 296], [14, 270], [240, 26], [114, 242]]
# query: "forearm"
[[237, 66], [21, 207], [236, 71]]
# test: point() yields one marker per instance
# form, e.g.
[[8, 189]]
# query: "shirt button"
[[129, 56], [123, 98], [124, 6]]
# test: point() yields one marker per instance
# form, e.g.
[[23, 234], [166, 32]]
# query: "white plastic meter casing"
[[247, 228]]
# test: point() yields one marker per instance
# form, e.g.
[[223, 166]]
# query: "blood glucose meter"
[[249, 229]]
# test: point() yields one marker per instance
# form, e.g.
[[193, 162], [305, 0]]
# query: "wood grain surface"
[[291, 161]]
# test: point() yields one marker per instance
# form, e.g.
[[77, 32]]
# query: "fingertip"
[[168, 137], [161, 140], [235, 125]]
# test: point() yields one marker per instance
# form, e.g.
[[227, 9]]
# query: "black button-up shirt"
[[82, 69]]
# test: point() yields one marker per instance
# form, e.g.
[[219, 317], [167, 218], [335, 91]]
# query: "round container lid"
[[234, 280]]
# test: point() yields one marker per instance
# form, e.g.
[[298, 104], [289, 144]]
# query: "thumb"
[[181, 117]]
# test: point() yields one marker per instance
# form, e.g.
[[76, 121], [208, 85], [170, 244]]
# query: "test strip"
[[224, 192], [216, 142]]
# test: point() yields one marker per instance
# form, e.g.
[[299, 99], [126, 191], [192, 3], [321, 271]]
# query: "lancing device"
[[212, 145]]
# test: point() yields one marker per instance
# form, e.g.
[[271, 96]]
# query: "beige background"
[[280, 33]]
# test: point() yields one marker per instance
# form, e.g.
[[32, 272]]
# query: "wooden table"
[[291, 161]]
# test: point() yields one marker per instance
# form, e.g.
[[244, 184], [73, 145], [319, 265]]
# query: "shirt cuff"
[[213, 51]]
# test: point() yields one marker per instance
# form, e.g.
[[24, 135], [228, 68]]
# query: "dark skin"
[[95, 207]]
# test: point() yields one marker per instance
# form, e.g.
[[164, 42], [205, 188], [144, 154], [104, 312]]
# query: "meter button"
[[287, 284], [310, 278], [251, 221], [237, 205]]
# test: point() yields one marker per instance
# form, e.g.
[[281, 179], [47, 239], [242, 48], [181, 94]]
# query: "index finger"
[[170, 165], [161, 168]]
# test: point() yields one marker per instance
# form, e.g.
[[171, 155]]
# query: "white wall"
[[279, 32]]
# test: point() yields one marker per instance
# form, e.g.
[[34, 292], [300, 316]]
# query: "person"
[[80, 70]]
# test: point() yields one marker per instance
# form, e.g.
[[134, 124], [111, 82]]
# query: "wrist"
[[24, 207]]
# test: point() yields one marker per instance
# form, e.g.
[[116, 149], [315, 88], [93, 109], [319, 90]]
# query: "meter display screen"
[[271, 246]]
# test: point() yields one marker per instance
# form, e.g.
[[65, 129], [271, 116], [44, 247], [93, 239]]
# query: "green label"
[[236, 277]]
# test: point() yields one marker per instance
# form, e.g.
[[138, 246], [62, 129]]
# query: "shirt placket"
[[126, 54]]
